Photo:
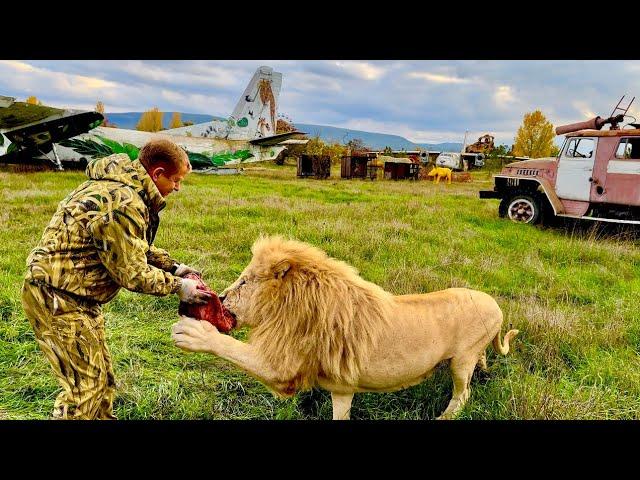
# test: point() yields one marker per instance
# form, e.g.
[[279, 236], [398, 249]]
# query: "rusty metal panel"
[[543, 183], [622, 182], [575, 207], [606, 133], [345, 167], [616, 180]]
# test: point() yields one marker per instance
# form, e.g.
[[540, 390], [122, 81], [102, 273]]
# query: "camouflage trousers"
[[70, 332]]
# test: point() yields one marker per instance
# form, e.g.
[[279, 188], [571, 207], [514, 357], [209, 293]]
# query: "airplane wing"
[[40, 135], [33, 129], [274, 139], [16, 114]]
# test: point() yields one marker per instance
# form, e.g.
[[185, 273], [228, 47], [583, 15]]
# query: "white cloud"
[[503, 95], [438, 78], [584, 109], [66, 90], [312, 82], [191, 102], [19, 66], [362, 70], [182, 73], [31, 79]]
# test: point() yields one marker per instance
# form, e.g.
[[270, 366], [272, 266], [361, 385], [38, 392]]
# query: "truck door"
[[575, 169], [622, 185]]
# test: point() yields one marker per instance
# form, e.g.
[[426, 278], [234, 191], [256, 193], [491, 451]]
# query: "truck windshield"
[[564, 144], [580, 148]]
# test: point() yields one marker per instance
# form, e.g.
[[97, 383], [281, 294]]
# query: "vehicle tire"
[[522, 208]]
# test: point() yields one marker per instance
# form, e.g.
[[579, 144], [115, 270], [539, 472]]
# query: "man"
[[99, 240]]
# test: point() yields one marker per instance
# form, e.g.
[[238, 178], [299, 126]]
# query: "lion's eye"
[[242, 282]]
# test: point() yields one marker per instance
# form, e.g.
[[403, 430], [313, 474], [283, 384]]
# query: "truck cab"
[[596, 176]]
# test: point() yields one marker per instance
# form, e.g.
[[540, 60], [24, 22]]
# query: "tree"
[[32, 100], [535, 137], [100, 110], [356, 145], [282, 126], [176, 121], [187, 123], [499, 150], [150, 121], [336, 151], [555, 150], [315, 146]]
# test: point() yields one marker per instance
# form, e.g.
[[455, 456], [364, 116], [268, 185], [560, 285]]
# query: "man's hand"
[[193, 335], [189, 292], [183, 269]]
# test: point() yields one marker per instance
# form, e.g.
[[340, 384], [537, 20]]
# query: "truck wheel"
[[521, 208]]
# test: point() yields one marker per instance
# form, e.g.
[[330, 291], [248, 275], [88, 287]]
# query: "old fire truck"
[[596, 176]]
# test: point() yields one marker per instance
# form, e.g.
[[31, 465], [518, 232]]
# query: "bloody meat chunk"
[[213, 311]]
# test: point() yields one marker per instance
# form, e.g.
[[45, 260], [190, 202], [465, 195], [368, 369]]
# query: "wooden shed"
[[359, 165], [400, 168], [318, 166]]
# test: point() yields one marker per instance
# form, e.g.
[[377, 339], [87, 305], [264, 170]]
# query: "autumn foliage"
[[176, 120], [535, 137], [150, 121]]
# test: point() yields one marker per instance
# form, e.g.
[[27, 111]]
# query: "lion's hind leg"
[[341, 405], [482, 363], [461, 370]]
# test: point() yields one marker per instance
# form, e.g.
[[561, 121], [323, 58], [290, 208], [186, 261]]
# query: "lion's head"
[[311, 315]]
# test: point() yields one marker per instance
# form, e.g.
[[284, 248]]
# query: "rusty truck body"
[[596, 176]]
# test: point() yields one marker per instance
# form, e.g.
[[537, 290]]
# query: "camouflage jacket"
[[100, 238]]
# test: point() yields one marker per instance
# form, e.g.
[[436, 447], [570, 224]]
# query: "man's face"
[[169, 183]]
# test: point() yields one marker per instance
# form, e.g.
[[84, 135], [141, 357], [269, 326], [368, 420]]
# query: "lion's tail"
[[499, 346]]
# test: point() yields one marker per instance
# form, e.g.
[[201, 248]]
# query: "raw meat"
[[213, 311]]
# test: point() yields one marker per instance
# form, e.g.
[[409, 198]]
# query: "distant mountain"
[[442, 147], [129, 120], [376, 141]]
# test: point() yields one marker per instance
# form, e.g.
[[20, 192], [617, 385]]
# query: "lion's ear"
[[280, 269]]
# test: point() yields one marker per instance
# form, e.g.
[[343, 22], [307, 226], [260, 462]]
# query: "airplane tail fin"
[[255, 114]]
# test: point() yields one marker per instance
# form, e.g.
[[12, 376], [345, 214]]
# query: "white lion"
[[315, 322]]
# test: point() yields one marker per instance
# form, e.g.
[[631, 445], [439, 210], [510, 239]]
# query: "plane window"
[[580, 148], [628, 149]]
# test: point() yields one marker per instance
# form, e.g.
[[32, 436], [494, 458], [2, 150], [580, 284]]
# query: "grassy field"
[[572, 292]]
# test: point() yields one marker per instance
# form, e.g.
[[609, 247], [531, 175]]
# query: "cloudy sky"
[[426, 101]]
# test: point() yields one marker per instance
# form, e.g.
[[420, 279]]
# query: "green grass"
[[572, 292]]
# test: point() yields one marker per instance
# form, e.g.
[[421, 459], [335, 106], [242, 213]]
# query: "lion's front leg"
[[341, 405], [199, 336]]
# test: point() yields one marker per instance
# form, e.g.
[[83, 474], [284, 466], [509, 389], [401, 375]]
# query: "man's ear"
[[280, 269], [156, 172]]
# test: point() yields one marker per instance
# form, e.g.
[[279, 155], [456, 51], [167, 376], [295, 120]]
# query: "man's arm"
[[161, 259], [119, 238]]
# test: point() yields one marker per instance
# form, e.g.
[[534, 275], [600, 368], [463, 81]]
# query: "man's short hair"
[[162, 152]]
